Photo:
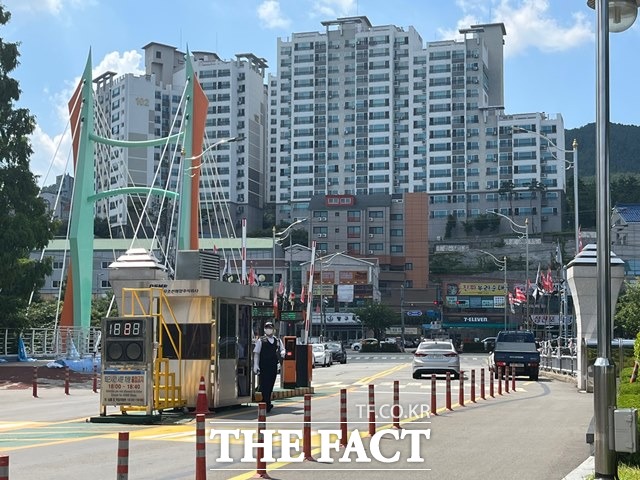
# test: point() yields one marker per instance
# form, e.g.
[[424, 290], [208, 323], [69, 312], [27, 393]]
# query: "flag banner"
[[580, 246], [558, 254], [520, 297]]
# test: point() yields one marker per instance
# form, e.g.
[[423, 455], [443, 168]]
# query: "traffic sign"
[[414, 313]]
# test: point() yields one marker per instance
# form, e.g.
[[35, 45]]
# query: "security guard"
[[267, 354]]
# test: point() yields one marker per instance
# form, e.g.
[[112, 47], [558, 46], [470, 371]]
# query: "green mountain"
[[624, 145]]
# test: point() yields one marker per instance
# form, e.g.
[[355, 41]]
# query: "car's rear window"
[[516, 337], [435, 346], [334, 346], [318, 348]]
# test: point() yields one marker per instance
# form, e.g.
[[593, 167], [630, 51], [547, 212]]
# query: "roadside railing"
[[43, 343], [558, 359]]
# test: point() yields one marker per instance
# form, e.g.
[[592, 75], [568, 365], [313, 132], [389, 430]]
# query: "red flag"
[[520, 296], [548, 282], [275, 303], [251, 277], [303, 295], [281, 288], [215, 248], [580, 246]]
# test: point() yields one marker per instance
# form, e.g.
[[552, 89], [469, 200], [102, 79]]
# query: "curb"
[[583, 470]]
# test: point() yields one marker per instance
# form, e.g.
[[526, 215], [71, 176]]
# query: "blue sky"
[[549, 47]]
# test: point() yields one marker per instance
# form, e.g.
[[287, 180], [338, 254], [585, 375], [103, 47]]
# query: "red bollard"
[[201, 449], [461, 390], [491, 384], [396, 404], [66, 380], [499, 380], [4, 467], [513, 379], [306, 433], [448, 393], [507, 370], [343, 417], [473, 386], [122, 471], [95, 379], [434, 409], [261, 470], [35, 382], [482, 396], [372, 411]]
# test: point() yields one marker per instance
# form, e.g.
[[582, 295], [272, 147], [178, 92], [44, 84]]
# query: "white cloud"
[[271, 16], [51, 155], [335, 8], [54, 7], [51, 150], [528, 24]]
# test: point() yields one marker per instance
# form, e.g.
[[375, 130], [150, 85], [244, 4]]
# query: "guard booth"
[[204, 329]]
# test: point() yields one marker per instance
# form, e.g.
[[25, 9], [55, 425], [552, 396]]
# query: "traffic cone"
[[202, 404]]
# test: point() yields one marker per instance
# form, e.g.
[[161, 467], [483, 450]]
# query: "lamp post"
[[273, 254], [526, 240], [617, 16], [572, 164], [503, 266]]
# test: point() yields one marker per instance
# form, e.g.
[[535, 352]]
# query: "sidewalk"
[[583, 471]]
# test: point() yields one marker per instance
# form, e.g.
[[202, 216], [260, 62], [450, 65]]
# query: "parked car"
[[435, 356], [356, 346], [489, 344], [321, 355], [338, 353]]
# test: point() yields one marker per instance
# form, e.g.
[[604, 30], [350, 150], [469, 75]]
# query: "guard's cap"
[[268, 324]]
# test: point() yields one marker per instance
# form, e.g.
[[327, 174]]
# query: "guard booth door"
[[233, 372]]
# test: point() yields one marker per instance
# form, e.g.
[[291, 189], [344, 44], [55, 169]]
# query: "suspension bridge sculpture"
[[76, 310]]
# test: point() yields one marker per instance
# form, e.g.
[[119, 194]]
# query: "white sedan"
[[321, 355], [435, 357]]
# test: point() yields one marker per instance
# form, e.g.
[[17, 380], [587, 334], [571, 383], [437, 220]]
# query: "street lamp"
[[572, 164], [617, 16], [282, 236], [526, 240], [503, 266]]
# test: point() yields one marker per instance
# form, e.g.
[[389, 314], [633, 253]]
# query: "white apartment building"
[[140, 107], [360, 109]]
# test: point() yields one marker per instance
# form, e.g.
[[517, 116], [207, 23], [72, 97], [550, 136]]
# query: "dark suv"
[[338, 353]]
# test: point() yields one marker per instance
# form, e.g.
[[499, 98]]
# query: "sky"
[[550, 57]]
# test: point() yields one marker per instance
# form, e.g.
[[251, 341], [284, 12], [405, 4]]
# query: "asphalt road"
[[536, 432]]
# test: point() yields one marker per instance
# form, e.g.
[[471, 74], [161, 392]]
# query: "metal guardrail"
[[563, 360], [43, 343], [564, 364]]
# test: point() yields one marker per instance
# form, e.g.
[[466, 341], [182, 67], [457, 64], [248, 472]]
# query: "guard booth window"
[[227, 331], [196, 341]]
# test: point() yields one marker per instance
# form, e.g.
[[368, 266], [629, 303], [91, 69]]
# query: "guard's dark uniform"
[[268, 363]]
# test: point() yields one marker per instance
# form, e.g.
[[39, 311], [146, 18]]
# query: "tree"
[[507, 188], [377, 317], [627, 317], [25, 224]]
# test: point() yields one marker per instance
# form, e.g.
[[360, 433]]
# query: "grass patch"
[[628, 397]]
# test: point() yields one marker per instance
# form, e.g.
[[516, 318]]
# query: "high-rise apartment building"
[[362, 110], [141, 107]]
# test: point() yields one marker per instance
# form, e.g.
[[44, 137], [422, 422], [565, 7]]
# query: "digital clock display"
[[123, 328]]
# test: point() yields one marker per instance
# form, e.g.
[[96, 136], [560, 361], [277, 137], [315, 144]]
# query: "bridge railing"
[[559, 360], [43, 343]]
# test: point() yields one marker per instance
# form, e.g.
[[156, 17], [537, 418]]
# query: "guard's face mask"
[[268, 331]]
